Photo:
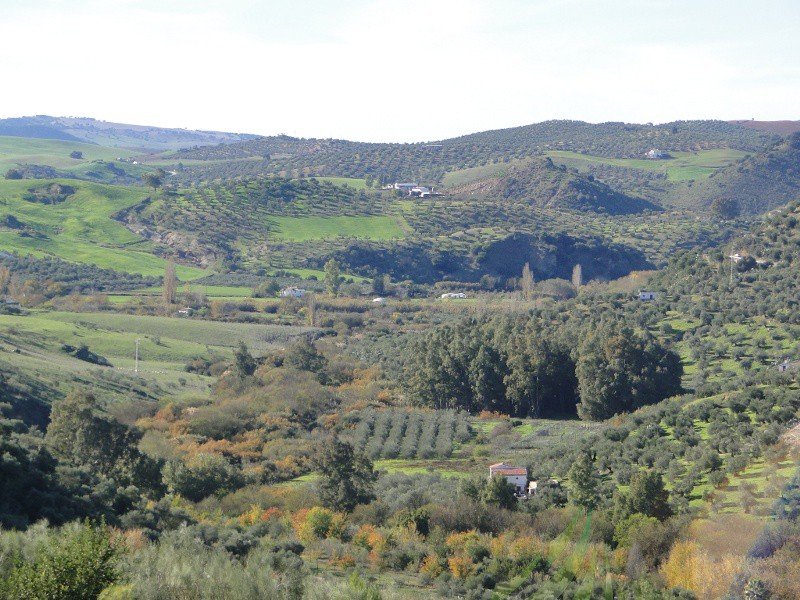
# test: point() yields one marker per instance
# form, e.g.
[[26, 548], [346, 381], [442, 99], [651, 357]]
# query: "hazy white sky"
[[398, 70]]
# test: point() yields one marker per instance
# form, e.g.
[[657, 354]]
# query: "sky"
[[398, 70]]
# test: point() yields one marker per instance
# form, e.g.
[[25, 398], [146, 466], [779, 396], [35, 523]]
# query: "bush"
[[75, 564], [202, 476]]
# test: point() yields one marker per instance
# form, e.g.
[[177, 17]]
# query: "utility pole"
[[136, 360]]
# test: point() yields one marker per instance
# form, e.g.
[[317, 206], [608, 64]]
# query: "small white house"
[[656, 154], [293, 292], [516, 476], [449, 295], [646, 296], [186, 312], [379, 300]]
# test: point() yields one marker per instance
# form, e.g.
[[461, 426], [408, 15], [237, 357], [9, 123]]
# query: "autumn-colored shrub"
[[460, 566], [318, 523]]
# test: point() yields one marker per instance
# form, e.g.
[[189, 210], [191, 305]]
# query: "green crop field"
[[79, 229], [303, 229], [33, 343], [52, 153], [473, 174], [357, 184], [683, 166]]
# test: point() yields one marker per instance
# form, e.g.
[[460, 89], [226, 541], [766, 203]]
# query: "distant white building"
[[449, 295], [656, 154], [379, 300], [646, 296], [405, 188], [293, 292], [516, 476], [414, 189]]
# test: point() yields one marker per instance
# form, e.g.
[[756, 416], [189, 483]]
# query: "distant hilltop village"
[[413, 189]]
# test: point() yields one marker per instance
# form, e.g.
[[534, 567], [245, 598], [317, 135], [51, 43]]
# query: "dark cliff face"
[[548, 256], [555, 256]]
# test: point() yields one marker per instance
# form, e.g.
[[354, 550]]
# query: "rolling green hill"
[[543, 184], [430, 161], [757, 184], [78, 225]]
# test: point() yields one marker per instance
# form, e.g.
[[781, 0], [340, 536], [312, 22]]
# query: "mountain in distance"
[[114, 135]]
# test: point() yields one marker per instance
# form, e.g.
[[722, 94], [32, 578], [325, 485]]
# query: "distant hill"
[[756, 184], [546, 185], [429, 161], [782, 128], [114, 135]]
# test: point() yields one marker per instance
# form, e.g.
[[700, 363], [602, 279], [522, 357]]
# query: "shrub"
[[76, 564]]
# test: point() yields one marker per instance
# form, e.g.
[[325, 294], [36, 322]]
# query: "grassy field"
[[357, 184], [80, 229], [303, 229], [472, 174], [684, 166], [31, 348], [52, 153]]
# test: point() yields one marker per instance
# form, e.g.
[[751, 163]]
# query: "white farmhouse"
[[516, 476], [646, 296], [449, 295], [293, 292]]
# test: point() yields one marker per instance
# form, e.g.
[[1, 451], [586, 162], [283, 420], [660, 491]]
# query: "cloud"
[[399, 70]]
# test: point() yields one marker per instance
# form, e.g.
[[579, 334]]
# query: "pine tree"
[[333, 278], [347, 478], [583, 482], [526, 283], [244, 363], [577, 276], [648, 496], [170, 284], [498, 492]]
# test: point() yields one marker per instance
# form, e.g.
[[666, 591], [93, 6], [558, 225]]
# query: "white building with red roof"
[[516, 476]]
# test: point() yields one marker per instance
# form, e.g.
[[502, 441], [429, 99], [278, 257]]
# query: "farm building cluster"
[[517, 477], [413, 189]]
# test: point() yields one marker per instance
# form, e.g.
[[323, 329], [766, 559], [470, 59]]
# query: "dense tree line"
[[73, 277], [522, 368]]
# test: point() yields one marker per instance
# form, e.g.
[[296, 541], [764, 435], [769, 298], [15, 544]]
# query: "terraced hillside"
[[281, 223], [543, 184], [430, 161]]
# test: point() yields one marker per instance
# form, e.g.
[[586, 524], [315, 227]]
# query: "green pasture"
[[80, 229], [52, 153], [162, 339], [684, 166], [355, 183], [473, 174]]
